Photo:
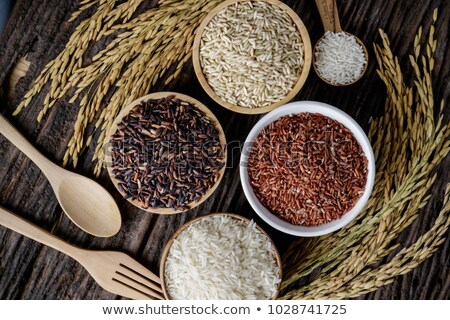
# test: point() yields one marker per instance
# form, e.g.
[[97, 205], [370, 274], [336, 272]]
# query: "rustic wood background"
[[39, 30]]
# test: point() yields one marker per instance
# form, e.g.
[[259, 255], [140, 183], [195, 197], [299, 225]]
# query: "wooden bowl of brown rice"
[[252, 56], [220, 256]]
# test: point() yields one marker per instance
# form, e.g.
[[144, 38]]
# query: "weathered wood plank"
[[38, 29]]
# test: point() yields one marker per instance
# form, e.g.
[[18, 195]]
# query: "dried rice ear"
[[248, 61]]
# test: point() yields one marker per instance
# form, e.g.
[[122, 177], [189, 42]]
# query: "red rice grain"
[[308, 169]]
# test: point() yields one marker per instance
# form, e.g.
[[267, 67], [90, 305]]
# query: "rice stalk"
[[407, 134], [143, 48], [409, 142]]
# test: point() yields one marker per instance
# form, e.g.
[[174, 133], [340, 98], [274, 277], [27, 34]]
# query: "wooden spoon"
[[83, 200], [330, 20]]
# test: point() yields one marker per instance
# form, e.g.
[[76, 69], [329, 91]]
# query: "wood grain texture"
[[39, 29], [98, 213], [114, 271]]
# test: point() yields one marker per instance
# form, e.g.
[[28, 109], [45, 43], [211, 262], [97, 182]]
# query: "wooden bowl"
[[298, 85], [363, 71], [186, 225], [200, 106]]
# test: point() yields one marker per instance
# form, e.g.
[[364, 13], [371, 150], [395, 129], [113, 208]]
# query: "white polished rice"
[[251, 54], [339, 59], [222, 258]]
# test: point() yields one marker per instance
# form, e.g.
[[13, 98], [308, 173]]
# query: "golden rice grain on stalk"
[[136, 42], [407, 127], [346, 257]]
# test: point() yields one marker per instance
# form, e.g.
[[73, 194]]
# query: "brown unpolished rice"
[[252, 54], [307, 168]]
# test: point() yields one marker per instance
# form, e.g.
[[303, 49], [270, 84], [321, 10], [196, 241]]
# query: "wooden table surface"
[[39, 30]]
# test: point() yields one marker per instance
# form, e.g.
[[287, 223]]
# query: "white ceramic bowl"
[[333, 113]]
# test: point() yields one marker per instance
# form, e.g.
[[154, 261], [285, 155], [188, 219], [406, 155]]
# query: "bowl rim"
[[326, 110], [167, 247], [307, 59], [363, 71], [198, 105]]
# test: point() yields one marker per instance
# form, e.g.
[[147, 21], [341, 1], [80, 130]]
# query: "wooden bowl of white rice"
[[220, 256], [252, 56]]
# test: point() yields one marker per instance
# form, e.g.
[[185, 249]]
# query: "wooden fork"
[[114, 271]]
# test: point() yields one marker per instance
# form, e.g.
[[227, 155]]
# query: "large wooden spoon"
[[84, 201]]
